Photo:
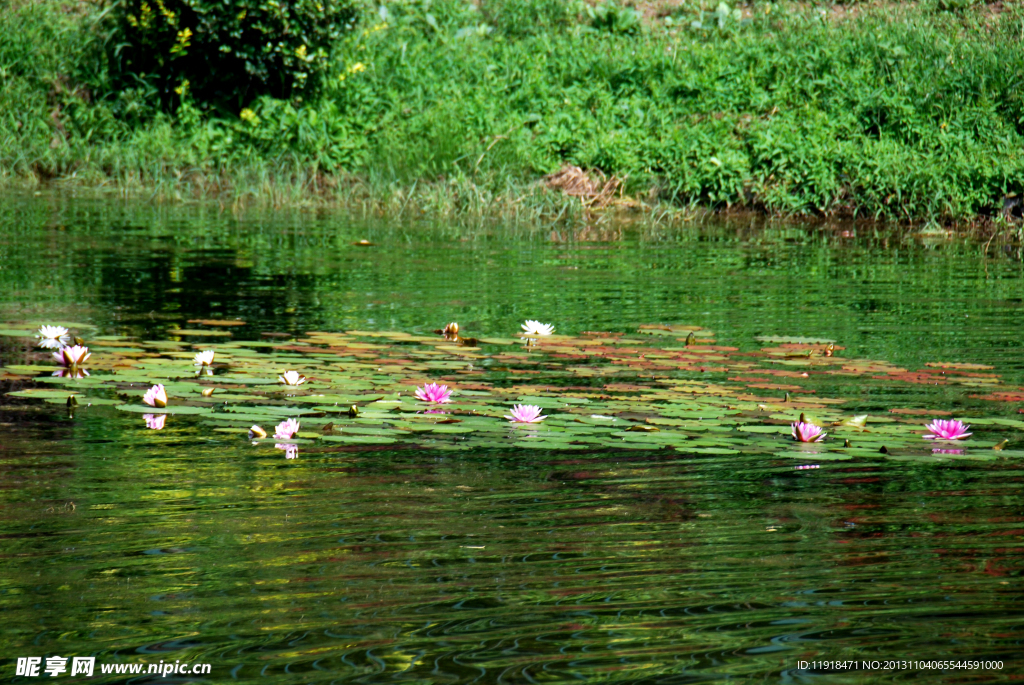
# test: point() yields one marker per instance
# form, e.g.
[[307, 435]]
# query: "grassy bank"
[[910, 113]]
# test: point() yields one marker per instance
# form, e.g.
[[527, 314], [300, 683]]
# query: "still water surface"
[[377, 564]]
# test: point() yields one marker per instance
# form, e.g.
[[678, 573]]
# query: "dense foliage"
[[223, 52], [914, 112]]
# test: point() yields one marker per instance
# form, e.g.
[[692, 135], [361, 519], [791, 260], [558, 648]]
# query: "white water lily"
[[292, 378], [204, 358], [532, 327], [53, 336]]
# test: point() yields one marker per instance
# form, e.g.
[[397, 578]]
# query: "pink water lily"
[[434, 393], [155, 421], [156, 396], [290, 451], [72, 356], [525, 413], [287, 429], [941, 429], [807, 432]]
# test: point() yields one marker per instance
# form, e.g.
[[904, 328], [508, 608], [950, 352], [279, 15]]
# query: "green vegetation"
[[898, 112], [225, 54]]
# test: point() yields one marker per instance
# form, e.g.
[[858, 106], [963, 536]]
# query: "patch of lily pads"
[[658, 387]]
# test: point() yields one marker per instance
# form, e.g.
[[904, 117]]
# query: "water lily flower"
[[807, 432], [156, 396], [952, 429], [287, 429], [257, 432], [290, 451], [525, 413], [535, 328], [204, 358], [451, 331], [72, 356], [292, 378], [53, 336], [155, 421], [434, 393]]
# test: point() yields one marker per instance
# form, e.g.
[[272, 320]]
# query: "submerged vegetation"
[[448, 107]]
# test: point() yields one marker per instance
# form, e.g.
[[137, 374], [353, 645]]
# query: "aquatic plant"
[[640, 390], [536, 328], [204, 358], [155, 421], [525, 413], [291, 451], [292, 378], [53, 337], [287, 429], [807, 432], [434, 393], [156, 396], [942, 429], [451, 331], [72, 356]]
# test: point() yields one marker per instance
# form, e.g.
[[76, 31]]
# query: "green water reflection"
[[369, 565]]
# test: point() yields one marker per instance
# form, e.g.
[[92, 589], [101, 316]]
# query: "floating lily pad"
[[360, 439], [794, 339], [146, 409]]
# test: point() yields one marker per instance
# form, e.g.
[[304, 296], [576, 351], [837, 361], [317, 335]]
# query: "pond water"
[[659, 526]]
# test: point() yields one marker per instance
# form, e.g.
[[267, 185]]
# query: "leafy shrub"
[[225, 53]]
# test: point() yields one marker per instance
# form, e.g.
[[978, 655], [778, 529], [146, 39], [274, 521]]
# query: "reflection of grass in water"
[[367, 561]]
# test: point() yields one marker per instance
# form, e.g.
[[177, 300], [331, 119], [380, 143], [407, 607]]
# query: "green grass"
[[908, 113]]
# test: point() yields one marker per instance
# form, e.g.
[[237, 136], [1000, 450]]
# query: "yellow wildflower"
[[300, 52], [356, 68], [184, 40], [146, 15], [182, 89], [166, 12], [248, 115]]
